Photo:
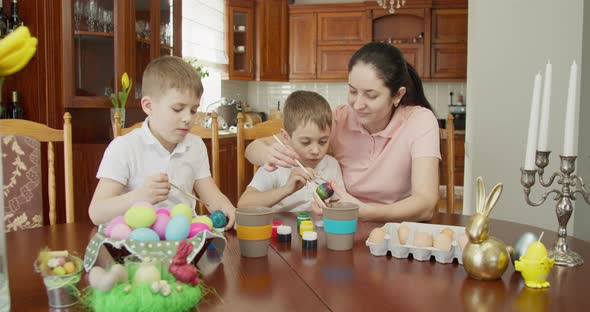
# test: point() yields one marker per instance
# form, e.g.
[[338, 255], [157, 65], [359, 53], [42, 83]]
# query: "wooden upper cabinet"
[[271, 40], [302, 45], [240, 40], [449, 61], [449, 26], [336, 28], [414, 54], [333, 61]]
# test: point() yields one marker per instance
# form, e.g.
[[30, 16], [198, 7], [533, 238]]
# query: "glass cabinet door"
[[166, 27], [93, 44], [241, 36], [143, 43]]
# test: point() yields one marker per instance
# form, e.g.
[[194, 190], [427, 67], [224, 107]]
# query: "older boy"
[[142, 165], [307, 118]]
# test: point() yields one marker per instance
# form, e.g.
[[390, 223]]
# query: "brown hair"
[[171, 72], [302, 107]]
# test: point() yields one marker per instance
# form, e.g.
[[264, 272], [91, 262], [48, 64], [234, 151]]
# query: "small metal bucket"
[[62, 290]]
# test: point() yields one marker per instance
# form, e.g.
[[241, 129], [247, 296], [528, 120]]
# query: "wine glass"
[[91, 14], [78, 12]]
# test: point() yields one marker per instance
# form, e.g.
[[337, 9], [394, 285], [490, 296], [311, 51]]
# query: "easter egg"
[[196, 228], [116, 220], [59, 271], [121, 231], [183, 210], [178, 228], [140, 217], [377, 235], [443, 242], [218, 219], [147, 274], [325, 190], [535, 252], [160, 224], [144, 235], [423, 239], [70, 267], [203, 219], [163, 211]]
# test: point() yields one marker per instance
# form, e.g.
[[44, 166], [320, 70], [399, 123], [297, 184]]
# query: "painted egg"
[[140, 217], [70, 267], [377, 235], [218, 218], [116, 220], [403, 232], [163, 211], [443, 242], [423, 239], [203, 219], [59, 271], [196, 228], [181, 209], [121, 231], [325, 190], [462, 241], [177, 228], [160, 224], [144, 235]]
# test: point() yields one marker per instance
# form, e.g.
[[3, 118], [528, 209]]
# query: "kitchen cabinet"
[[302, 45], [333, 61], [272, 55], [240, 39], [449, 43], [342, 28]]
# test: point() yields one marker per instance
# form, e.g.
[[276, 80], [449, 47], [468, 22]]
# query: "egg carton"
[[392, 244]]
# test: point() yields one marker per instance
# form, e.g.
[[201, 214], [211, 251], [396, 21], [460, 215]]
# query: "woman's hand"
[[280, 156]]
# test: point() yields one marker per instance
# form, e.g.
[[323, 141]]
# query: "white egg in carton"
[[393, 245]]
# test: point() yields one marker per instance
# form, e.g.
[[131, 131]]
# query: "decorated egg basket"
[[145, 232]]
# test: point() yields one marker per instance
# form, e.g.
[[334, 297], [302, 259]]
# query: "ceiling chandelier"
[[392, 4]]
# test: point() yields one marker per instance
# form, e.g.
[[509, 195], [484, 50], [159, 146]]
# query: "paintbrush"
[[301, 166]]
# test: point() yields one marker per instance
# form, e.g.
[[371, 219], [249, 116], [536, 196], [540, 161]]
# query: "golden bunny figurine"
[[484, 258]]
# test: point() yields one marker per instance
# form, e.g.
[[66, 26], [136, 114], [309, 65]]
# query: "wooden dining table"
[[290, 278]]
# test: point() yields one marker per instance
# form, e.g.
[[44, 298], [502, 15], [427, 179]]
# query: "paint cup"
[[254, 229], [340, 222]]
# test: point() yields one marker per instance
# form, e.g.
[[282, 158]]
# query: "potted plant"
[[119, 99]]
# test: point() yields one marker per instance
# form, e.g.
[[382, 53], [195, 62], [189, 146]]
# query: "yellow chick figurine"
[[535, 266]]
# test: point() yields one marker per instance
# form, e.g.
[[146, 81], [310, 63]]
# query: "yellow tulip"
[[125, 81]]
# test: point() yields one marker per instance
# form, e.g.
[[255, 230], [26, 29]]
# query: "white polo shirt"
[[328, 168], [129, 159]]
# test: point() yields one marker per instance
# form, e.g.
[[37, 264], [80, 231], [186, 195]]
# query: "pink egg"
[[163, 211], [116, 220], [196, 228], [121, 231], [160, 224]]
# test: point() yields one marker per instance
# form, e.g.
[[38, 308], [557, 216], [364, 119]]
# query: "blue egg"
[[178, 228], [218, 219], [144, 234]]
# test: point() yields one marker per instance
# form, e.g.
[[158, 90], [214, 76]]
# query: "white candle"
[[529, 161], [570, 112], [544, 125]]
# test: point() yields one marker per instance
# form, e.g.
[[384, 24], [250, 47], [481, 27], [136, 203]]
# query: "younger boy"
[[142, 165], [307, 121]]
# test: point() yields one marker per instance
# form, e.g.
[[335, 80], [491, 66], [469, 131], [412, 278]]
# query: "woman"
[[386, 140]]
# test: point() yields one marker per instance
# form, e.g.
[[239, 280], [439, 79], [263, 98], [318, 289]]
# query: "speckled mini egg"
[[325, 190], [218, 218], [144, 235], [121, 231], [403, 232], [443, 242], [116, 220], [423, 239], [178, 228], [181, 209], [140, 217], [163, 211], [160, 225], [377, 236], [203, 219], [196, 228]]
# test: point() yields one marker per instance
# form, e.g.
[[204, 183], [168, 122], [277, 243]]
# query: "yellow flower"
[[125, 81]]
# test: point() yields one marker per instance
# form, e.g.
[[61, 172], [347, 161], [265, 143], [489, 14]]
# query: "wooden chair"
[[43, 133], [197, 129], [447, 169], [261, 130]]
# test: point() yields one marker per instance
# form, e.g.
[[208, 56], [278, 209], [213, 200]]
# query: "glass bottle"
[[3, 21], [14, 21], [17, 109]]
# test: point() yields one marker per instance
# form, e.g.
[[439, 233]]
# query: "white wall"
[[509, 42]]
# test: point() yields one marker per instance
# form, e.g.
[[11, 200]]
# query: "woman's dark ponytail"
[[414, 90]]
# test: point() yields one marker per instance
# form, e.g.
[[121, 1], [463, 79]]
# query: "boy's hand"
[[280, 156], [230, 212], [296, 181], [155, 188]]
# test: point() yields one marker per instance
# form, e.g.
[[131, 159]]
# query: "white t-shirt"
[[328, 168], [131, 158]]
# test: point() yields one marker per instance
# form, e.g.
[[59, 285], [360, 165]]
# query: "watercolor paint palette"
[[392, 244]]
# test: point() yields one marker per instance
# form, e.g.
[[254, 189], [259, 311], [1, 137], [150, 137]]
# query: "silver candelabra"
[[570, 185]]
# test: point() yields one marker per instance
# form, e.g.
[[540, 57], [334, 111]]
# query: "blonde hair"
[[171, 72], [302, 107]]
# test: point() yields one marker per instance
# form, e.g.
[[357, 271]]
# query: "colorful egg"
[[183, 210], [144, 235], [140, 217], [218, 218], [116, 220], [163, 211], [203, 219], [121, 231], [178, 228], [325, 190], [70, 267], [160, 224], [196, 228]]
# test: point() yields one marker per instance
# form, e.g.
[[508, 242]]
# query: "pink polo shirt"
[[377, 167]]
